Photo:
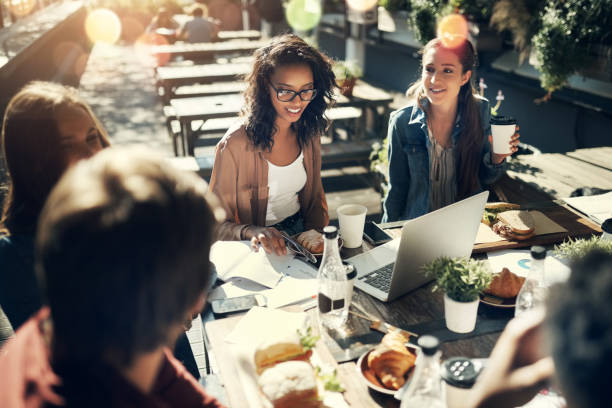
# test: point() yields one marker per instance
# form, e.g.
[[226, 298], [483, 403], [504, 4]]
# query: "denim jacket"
[[408, 195]]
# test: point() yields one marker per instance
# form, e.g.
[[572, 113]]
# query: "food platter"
[[370, 378], [496, 301]]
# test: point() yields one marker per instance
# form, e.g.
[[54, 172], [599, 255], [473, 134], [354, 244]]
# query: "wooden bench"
[[332, 154], [348, 115], [216, 127], [218, 88], [220, 125]]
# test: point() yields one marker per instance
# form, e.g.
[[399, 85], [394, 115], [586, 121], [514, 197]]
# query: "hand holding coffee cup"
[[504, 138]]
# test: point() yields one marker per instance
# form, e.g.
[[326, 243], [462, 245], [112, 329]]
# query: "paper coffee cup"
[[502, 129], [351, 218]]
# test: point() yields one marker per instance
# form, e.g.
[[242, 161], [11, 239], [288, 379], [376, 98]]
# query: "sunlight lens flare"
[[303, 15], [453, 30], [102, 25], [21, 8], [361, 5]]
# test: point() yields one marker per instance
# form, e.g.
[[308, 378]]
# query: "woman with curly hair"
[[267, 169]]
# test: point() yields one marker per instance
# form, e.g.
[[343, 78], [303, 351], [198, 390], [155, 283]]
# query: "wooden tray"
[[576, 225]]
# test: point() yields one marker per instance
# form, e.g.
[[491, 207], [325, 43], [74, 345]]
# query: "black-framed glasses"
[[287, 95]]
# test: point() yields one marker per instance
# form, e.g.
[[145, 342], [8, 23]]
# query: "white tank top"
[[284, 183]]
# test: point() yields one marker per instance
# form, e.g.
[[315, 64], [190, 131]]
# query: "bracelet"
[[242, 230]]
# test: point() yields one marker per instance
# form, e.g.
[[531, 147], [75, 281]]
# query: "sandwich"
[[505, 284], [514, 225], [290, 384], [489, 216], [295, 346]]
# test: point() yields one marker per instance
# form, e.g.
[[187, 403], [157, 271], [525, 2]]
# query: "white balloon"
[[361, 5]]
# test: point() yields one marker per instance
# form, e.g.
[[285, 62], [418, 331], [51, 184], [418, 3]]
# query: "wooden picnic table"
[[420, 306], [171, 77], [559, 174], [239, 35], [199, 108], [208, 49], [203, 108], [371, 99]]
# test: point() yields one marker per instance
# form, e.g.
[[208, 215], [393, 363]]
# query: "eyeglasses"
[[287, 95]]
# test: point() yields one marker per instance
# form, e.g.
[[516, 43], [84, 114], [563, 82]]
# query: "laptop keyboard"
[[380, 278]]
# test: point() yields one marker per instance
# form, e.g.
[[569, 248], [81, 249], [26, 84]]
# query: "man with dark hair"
[[199, 28], [578, 330], [122, 255], [580, 326]]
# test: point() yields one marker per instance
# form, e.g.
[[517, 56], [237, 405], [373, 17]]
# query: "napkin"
[[262, 323]]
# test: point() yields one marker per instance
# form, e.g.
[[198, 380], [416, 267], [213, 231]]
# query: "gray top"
[[443, 186]]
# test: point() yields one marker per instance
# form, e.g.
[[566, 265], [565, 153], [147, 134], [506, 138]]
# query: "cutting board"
[[576, 225]]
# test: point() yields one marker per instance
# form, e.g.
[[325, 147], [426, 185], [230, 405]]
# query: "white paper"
[[298, 283], [236, 259], [597, 207], [261, 323], [519, 261]]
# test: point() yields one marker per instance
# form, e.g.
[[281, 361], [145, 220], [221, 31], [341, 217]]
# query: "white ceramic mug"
[[352, 219], [502, 129]]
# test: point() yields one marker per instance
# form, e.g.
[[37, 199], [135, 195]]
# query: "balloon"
[[452, 30], [103, 25], [361, 5], [303, 15]]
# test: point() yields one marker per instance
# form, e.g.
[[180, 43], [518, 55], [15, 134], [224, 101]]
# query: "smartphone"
[[374, 234], [221, 307]]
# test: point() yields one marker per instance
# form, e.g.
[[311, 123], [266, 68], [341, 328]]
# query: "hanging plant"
[[521, 18], [394, 5], [423, 18]]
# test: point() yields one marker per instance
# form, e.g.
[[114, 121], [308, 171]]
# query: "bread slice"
[[290, 384], [520, 221], [276, 350]]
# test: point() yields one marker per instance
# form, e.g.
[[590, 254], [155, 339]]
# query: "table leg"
[[186, 136]]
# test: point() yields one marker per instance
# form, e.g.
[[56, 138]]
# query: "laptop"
[[395, 268]]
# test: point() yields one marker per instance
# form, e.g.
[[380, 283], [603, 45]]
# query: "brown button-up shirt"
[[240, 180]]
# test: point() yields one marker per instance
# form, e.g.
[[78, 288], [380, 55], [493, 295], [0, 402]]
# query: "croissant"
[[505, 284], [391, 360]]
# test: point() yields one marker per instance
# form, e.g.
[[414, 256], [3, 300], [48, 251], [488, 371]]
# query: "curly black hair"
[[259, 112], [580, 326]]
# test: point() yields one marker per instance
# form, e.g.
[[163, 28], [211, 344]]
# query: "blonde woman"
[[47, 128]]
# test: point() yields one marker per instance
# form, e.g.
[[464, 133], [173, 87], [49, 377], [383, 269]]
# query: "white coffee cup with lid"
[[502, 129]]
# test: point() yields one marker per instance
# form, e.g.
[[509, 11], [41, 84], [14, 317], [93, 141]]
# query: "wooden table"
[[418, 306], [203, 108], [370, 99], [205, 50], [239, 35], [206, 107], [171, 77]]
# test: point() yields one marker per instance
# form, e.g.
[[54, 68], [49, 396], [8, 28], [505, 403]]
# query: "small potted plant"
[[575, 249], [461, 280], [347, 73]]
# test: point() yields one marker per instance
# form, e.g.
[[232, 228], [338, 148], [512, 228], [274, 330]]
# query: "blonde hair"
[[30, 145]]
